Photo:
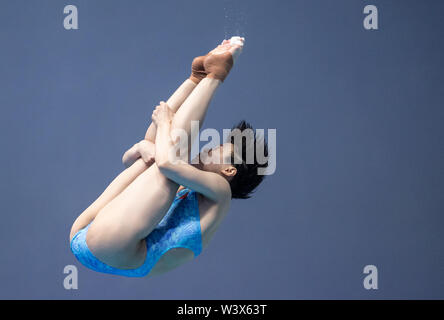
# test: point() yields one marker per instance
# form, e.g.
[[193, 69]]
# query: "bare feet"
[[219, 61], [197, 69]]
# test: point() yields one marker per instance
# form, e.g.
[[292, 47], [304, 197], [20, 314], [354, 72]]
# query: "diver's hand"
[[162, 114], [143, 149]]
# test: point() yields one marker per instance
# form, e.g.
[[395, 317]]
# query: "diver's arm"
[[209, 184]]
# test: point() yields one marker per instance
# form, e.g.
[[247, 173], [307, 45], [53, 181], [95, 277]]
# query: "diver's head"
[[236, 160]]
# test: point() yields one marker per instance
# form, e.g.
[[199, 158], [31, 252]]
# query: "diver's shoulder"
[[222, 204]]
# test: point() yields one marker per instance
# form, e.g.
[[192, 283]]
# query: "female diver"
[[156, 214]]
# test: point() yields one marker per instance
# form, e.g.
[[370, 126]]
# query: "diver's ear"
[[229, 171]]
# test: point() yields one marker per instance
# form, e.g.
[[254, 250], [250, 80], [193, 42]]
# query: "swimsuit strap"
[[184, 193]]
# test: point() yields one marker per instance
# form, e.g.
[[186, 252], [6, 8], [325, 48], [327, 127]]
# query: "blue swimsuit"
[[180, 227]]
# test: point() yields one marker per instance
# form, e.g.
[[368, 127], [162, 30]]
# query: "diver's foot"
[[219, 61], [197, 69]]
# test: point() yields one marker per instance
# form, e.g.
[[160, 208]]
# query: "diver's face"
[[216, 159]]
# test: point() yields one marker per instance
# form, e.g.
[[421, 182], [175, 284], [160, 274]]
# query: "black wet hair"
[[246, 179]]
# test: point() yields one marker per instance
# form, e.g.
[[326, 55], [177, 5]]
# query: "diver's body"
[[116, 233]]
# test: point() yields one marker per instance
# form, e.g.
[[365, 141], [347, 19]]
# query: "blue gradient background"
[[360, 157]]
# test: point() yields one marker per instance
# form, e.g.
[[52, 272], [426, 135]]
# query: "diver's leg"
[[181, 94], [143, 218], [133, 161], [196, 105], [136, 165], [114, 188], [117, 234], [132, 158], [129, 217], [174, 102], [217, 65], [206, 74]]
